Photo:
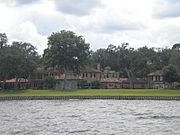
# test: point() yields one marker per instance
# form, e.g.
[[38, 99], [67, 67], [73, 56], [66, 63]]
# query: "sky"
[[152, 23]]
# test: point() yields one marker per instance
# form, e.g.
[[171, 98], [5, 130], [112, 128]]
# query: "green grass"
[[92, 92]]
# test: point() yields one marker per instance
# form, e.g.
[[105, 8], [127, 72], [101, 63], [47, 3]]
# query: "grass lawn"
[[92, 92]]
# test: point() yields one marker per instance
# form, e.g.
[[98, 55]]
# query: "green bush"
[[49, 82], [95, 84], [83, 84]]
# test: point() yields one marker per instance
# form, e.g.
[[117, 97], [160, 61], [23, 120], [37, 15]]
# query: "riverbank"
[[92, 92], [3, 98], [104, 94]]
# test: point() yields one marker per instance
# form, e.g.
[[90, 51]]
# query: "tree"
[[95, 84], [29, 58], [66, 51], [17, 61], [176, 46], [101, 57], [49, 82], [3, 40], [171, 74], [125, 61], [175, 58]]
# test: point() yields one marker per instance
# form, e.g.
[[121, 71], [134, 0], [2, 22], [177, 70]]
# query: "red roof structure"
[[13, 80], [156, 73]]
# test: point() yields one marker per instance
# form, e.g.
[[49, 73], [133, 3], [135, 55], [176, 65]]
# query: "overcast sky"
[[152, 23]]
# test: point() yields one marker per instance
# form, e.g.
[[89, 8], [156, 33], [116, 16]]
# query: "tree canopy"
[[3, 40], [18, 60], [66, 51], [171, 74]]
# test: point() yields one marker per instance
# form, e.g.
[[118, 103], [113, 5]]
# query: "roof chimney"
[[98, 67]]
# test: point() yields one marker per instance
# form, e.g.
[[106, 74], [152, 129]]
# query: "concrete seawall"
[[3, 98]]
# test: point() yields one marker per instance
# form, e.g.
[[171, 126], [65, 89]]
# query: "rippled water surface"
[[61, 117]]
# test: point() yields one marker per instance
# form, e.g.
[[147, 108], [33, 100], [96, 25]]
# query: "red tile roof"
[[156, 73], [114, 80], [13, 80]]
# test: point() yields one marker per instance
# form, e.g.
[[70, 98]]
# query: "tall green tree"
[[3, 40], [29, 56], [171, 74], [66, 51], [175, 58], [17, 61], [101, 57], [176, 46]]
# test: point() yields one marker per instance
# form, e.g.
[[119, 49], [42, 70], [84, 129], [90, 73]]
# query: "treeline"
[[17, 60], [137, 63], [67, 51]]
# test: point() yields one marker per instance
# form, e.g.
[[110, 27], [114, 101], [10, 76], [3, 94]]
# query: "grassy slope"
[[90, 92]]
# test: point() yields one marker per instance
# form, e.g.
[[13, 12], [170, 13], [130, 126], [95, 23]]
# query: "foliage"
[[49, 82], [110, 73], [100, 57], [95, 84], [3, 40], [176, 46], [171, 74], [17, 61], [83, 84], [28, 56], [66, 51]]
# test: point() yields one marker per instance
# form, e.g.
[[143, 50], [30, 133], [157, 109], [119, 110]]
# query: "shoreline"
[[170, 98]]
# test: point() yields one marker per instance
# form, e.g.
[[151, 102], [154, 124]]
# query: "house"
[[110, 83], [155, 80], [70, 82], [72, 78], [90, 74], [12, 83]]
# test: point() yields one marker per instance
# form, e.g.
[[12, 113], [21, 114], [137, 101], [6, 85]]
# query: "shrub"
[[83, 84], [95, 84], [49, 82]]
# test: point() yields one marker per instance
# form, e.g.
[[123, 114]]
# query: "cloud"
[[47, 20], [27, 32], [24, 2], [167, 9], [100, 22], [119, 25], [165, 32], [106, 22], [48, 24], [76, 7], [18, 2]]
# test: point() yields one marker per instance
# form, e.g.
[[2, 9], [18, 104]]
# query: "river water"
[[66, 117]]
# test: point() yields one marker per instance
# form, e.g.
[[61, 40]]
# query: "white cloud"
[[100, 22], [76, 7], [167, 9], [28, 33]]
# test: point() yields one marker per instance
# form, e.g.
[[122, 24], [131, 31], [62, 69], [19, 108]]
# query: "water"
[[61, 117]]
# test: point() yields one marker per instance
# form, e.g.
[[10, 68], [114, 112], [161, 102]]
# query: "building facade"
[[155, 80]]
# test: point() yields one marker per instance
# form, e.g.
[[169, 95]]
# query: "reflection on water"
[[90, 117]]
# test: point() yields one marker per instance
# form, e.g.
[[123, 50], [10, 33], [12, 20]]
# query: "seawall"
[[3, 98]]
